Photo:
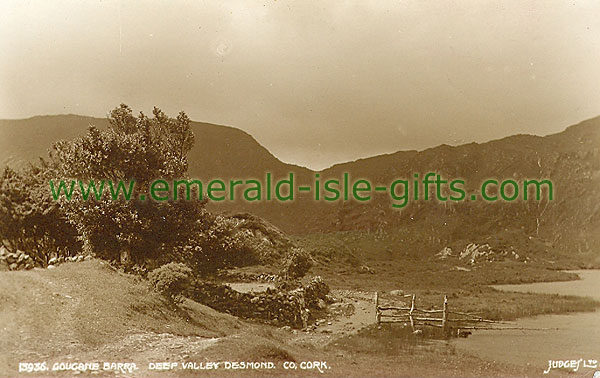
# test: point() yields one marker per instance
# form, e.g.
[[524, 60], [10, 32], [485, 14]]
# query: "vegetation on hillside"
[[138, 231]]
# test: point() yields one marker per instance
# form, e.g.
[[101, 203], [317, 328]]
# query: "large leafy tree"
[[134, 148]]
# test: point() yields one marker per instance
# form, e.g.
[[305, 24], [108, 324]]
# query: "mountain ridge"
[[102, 122], [570, 158]]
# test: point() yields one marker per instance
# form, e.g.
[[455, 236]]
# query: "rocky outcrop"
[[473, 253], [266, 242]]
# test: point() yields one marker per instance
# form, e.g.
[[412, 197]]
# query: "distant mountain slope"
[[25, 140], [219, 151], [571, 159]]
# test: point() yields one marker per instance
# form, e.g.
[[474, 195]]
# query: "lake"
[[577, 336]]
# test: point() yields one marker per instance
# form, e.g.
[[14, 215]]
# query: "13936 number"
[[31, 367]]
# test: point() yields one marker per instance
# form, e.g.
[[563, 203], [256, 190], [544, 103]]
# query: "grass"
[[87, 307], [399, 262], [89, 312]]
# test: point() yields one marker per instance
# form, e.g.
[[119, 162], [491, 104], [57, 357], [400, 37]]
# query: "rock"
[[399, 293], [444, 253], [286, 328], [87, 258], [79, 258], [365, 269], [13, 266], [51, 266], [321, 304], [53, 261]]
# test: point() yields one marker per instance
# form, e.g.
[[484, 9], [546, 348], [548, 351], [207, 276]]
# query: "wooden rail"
[[421, 317]]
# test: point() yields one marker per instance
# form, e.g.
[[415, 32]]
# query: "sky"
[[316, 82]]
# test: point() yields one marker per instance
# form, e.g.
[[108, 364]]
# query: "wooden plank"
[[511, 328], [445, 316], [465, 313], [473, 320], [385, 308]]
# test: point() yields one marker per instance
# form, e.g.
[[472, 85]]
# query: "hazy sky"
[[315, 81]]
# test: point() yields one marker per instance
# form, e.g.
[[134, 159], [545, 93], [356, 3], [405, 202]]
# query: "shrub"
[[296, 264], [171, 279], [29, 220], [316, 290]]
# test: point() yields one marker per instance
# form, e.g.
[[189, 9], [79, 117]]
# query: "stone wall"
[[282, 308], [18, 260]]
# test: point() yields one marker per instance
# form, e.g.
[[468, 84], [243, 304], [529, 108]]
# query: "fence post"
[[412, 307], [445, 316], [377, 312]]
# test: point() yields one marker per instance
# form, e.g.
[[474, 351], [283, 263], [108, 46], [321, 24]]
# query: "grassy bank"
[[88, 312]]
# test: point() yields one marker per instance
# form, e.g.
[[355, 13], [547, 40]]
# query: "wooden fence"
[[450, 321], [442, 318]]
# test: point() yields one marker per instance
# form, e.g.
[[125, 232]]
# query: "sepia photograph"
[[299, 188]]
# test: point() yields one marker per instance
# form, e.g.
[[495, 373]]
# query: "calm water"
[[578, 335]]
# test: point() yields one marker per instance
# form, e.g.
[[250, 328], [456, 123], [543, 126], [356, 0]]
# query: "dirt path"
[[353, 311]]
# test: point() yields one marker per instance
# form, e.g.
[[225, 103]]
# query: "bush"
[[296, 264], [316, 290], [30, 220], [171, 279]]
